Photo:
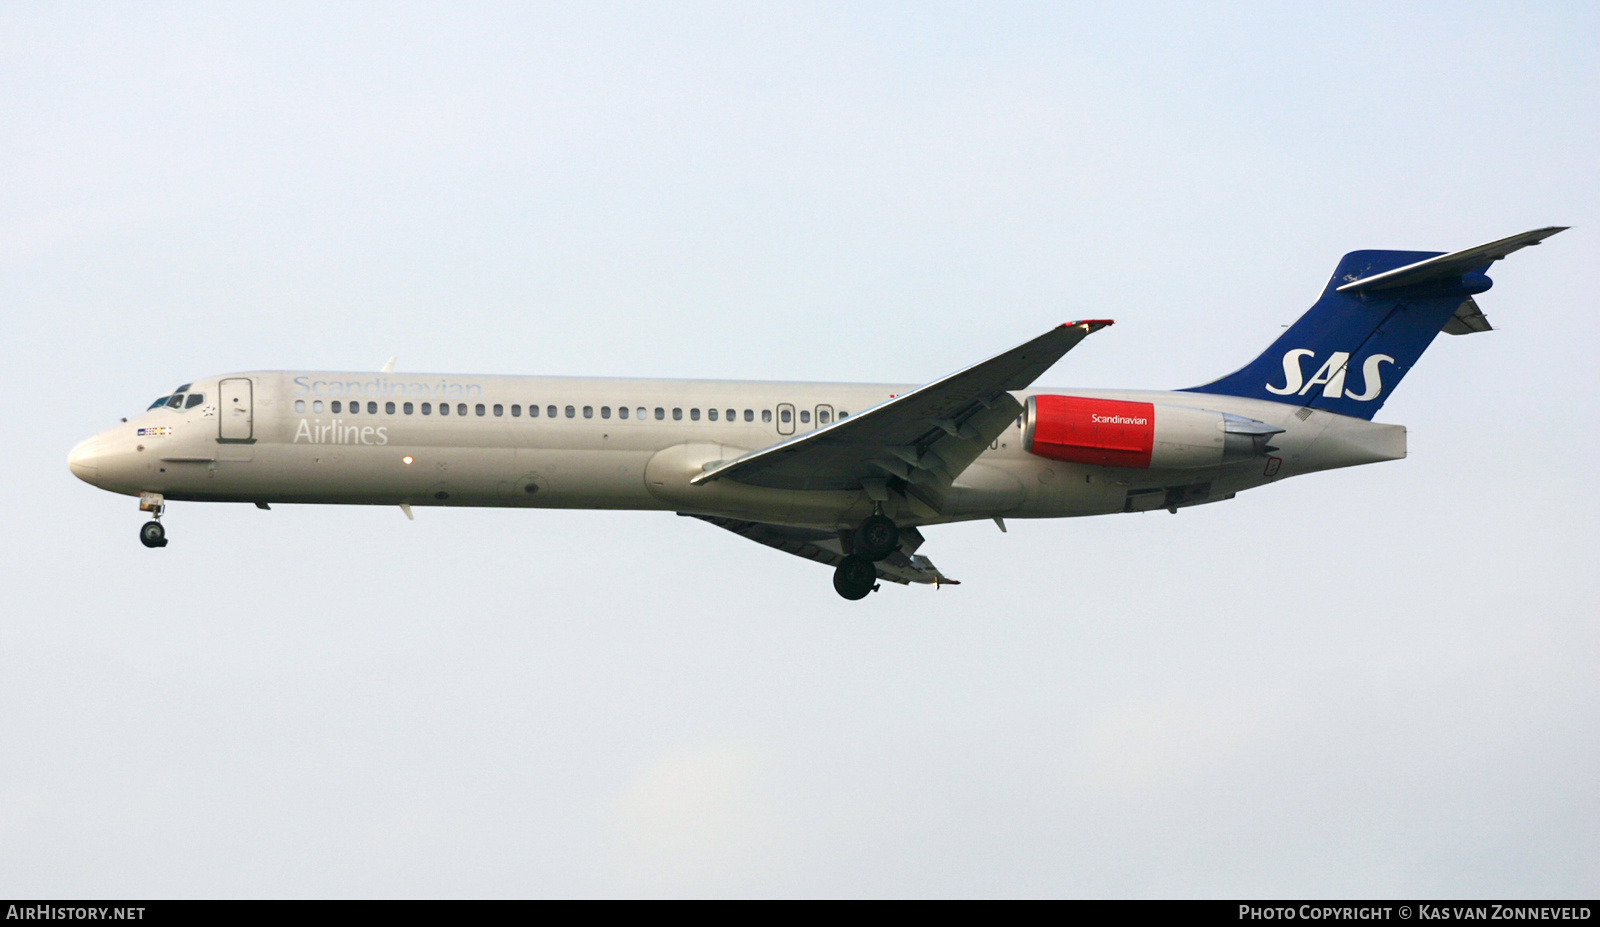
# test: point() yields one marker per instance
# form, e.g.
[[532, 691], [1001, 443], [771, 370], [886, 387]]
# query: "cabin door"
[[235, 421]]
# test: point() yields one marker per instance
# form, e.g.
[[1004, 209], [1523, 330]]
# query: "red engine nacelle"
[[1139, 435], [1091, 431]]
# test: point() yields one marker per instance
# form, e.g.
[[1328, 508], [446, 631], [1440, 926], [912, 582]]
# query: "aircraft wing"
[[824, 547], [919, 441]]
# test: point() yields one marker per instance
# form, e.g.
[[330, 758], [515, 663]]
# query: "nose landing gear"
[[151, 534]]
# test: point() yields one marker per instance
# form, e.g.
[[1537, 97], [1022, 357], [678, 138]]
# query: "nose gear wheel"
[[151, 534]]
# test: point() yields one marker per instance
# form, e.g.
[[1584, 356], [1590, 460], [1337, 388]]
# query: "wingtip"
[[1090, 325]]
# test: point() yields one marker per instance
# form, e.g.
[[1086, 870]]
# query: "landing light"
[[406, 460]]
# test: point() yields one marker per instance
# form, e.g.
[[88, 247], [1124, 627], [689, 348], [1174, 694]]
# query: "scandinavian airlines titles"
[[382, 386], [337, 432]]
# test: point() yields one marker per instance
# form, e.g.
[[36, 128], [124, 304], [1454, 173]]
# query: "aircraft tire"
[[151, 534], [855, 577], [877, 537]]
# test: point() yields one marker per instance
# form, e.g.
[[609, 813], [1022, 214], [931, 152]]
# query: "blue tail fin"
[[1377, 315]]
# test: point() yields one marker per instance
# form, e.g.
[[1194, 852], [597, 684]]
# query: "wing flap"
[[825, 548]]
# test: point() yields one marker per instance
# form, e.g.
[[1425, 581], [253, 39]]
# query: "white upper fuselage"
[[278, 436]]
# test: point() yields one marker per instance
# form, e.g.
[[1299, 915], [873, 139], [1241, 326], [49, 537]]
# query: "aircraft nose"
[[84, 461]]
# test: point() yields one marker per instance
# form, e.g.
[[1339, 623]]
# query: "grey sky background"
[[1374, 682]]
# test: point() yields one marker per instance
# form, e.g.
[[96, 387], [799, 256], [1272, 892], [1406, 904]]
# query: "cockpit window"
[[178, 400]]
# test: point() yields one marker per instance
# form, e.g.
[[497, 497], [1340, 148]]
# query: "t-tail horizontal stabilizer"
[[1447, 267], [1377, 315]]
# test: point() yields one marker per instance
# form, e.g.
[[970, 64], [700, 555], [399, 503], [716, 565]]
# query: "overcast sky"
[[1382, 681]]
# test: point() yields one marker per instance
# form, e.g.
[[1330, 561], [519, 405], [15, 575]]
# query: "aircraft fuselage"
[[276, 437]]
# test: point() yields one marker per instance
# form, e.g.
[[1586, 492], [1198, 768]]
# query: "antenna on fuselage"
[[389, 367]]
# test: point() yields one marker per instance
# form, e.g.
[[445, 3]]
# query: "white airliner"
[[843, 474]]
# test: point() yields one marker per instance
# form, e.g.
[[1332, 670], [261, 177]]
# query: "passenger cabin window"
[[516, 410], [588, 411], [407, 408], [730, 415], [550, 411], [316, 406], [372, 407], [605, 411], [805, 416], [677, 415], [766, 415], [388, 408], [660, 413], [711, 414], [639, 413], [461, 408], [299, 405], [622, 412], [499, 410], [694, 415], [572, 412], [749, 415], [823, 417], [336, 406], [785, 416], [480, 410]]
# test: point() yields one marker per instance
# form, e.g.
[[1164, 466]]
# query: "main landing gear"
[[877, 537], [857, 575], [151, 534]]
